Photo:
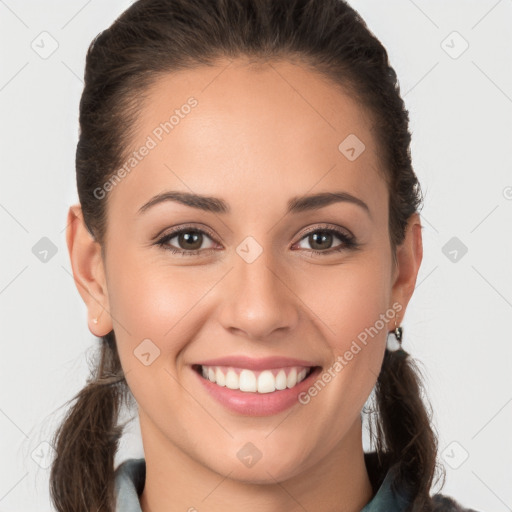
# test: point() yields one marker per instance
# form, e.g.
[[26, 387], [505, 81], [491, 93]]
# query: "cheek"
[[148, 296], [152, 328], [148, 303], [347, 299], [352, 309]]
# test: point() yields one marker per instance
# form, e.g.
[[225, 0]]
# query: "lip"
[[257, 404], [266, 363]]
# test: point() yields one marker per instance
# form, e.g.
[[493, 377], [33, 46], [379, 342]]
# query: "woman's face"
[[244, 282]]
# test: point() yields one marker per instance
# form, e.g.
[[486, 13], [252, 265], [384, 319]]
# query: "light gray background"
[[458, 322]]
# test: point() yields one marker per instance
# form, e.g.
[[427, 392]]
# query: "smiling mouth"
[[248, 381]]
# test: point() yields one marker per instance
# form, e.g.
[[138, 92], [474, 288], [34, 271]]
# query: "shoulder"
[[381, 473], [129, 483], [442, 503]]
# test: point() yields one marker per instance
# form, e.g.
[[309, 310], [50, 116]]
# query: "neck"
[[176, 482]]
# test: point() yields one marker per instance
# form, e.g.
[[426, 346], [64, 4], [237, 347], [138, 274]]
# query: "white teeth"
[[266, 382], [220, 379], [281, 380], [248, 381], [291, 380], [232, 380]]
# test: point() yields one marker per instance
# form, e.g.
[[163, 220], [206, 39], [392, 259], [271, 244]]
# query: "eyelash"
[[348, 241]]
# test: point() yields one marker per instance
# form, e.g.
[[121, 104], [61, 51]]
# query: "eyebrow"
[[217, 205]]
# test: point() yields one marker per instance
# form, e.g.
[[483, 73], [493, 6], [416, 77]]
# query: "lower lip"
[[258, 404]]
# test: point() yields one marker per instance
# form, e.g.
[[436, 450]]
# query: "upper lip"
[[266, 363]]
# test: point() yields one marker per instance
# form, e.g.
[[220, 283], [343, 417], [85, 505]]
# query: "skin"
[[258, 136]]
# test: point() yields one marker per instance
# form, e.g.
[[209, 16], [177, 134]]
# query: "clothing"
[[131, 474]]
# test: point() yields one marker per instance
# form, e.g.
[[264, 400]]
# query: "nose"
[[258, 299]]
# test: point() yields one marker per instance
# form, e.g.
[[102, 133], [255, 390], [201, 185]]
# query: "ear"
[[88, 272], [408, 260]]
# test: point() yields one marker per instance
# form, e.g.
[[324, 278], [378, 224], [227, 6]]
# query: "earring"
[[95, 320], [395, 345], [398, 334]]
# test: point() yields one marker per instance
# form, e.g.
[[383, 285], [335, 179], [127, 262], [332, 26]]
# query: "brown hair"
[[155, 37]]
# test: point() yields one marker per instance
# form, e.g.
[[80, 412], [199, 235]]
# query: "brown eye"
[[321, 241], [190, 240], [186, 241]]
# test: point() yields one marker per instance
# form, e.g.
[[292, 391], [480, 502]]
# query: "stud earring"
[[95, 320]]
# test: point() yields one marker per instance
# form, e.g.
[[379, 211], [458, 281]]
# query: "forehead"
[[273, 128]]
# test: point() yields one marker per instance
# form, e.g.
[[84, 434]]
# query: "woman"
[[255, 132]]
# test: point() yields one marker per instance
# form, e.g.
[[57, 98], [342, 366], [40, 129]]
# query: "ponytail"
[[405, 435], [82, 474]]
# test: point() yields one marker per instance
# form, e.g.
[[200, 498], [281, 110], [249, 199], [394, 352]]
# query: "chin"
[[250, 469]]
